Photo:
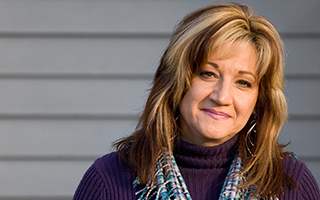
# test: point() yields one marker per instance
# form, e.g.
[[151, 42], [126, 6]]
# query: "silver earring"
[[253, 124], [176, 114], [172, 138]]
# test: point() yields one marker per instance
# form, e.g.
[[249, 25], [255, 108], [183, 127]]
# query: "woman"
[[210, 125]]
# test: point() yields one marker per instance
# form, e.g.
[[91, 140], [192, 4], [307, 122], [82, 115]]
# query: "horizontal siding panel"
[[303, 96], [292, 17], [117, 56], [302, 57], [122, 97], [51, 179], [303, 136], [91, 16], [80, 55], [139, 16], [60, 139]]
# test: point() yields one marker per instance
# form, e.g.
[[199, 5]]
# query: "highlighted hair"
[[198, 35]]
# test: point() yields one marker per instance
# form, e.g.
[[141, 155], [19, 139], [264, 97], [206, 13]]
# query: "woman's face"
[[221, 98]]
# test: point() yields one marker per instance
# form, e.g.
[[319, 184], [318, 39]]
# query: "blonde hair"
[[199, 34]]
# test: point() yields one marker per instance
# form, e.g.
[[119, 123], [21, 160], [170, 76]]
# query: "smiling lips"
[[216, 114]]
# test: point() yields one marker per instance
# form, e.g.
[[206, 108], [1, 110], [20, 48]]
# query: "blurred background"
[[74, 76]]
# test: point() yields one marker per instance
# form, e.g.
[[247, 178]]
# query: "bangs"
[[219, 44]]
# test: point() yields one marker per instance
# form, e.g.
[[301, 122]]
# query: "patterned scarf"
[[170, 184]]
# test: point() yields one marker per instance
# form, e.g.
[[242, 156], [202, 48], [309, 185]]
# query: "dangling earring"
[[176, 115], [253, 124]]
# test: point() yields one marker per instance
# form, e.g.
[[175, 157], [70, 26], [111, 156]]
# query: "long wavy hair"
[[198, 35]]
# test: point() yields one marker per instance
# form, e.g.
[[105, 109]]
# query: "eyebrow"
[[213, 65], [240, 72], [247, 72]]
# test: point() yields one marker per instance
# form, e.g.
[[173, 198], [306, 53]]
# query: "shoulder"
[[112, 166], [306, 185], [108, 177], [111, 161], [294, 167]]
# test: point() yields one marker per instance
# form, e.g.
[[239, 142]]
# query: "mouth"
[[216, 114]]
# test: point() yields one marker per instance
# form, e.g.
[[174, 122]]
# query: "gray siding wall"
[[74, 77]]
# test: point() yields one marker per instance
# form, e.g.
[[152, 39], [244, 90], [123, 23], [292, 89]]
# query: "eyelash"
[[244, 83], [208, 74]]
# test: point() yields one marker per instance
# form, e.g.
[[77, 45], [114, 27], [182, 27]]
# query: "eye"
[[208, 74], [244, 83]]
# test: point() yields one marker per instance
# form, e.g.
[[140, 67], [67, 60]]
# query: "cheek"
[[191, 100], [246, 104], [187, 102], [191, 96], [252, 104]]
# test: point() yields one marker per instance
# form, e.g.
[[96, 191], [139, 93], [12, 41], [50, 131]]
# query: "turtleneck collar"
[[189, 155]]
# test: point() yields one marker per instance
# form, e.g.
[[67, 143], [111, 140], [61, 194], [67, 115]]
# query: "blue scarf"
[[169, 183]]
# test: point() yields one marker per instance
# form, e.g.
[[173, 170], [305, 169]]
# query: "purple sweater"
[[203, 169]]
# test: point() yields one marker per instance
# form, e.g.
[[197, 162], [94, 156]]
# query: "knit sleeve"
[[306, 185], [91, 186], [109, 178]]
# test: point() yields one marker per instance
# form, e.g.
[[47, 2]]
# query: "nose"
[[221, 93]]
